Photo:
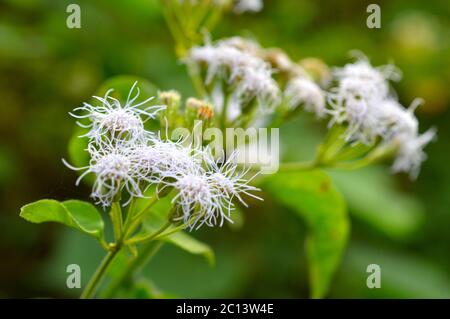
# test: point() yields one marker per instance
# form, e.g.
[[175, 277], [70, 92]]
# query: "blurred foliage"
[[47, 69], [313, 196]]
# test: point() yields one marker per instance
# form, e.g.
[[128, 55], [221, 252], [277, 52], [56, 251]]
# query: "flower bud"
[[198, 110], [171, 99], [279, 60], [317, 69]]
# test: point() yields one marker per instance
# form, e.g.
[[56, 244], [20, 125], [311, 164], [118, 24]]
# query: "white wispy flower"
[[230, 180], [113, 120], [243, 44], [248, 6], [166, 159], [399, 125], [357, 98], [247, 74], [363, 102], [114, 169], [205, 192], [411, 155], [362, 80], [303, 91], [223, 61], [259, 84], [394, 120], [195, 198]]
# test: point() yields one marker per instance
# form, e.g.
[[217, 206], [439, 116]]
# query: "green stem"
[[128, 219], [375, 156], [196, 81], [224, 115], [213, 18], [116, 219], [135, 220], [147, 252], [95, 280], [172, 231], [139, 239], [175, 30]]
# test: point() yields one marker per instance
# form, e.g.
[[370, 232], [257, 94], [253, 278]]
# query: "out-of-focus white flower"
[[303, 91], [411, 155], [399, 125], [393, 119], [363, 103], [358, 97], [223, 60], [116, 121], [242, 44], [248, 6], [247, 74], [259, 84], [114, 168], [362, 80]]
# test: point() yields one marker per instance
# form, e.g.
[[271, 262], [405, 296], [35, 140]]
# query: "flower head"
[[230, 180], [362, 102], [358, 98], [303, 91], [113, 120], [411, 155], [114, 169], [196, 199], [205, 192], [362, 79], [163, 160], [247, 75], [257, 83]]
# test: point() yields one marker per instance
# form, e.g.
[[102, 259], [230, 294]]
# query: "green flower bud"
[[171, 99]]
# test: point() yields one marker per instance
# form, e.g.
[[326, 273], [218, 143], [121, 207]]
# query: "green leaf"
[[157, 217], [314, 197], [403, 274], [374, 199], [191, 245], [77, 146], [77, 214]]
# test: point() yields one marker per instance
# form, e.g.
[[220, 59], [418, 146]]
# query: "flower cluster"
[[249, 70], [303, 91], [362, 100], [124, 156], [247, 76]]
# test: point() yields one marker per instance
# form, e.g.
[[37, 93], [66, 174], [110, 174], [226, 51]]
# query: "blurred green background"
[[47, 69]]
